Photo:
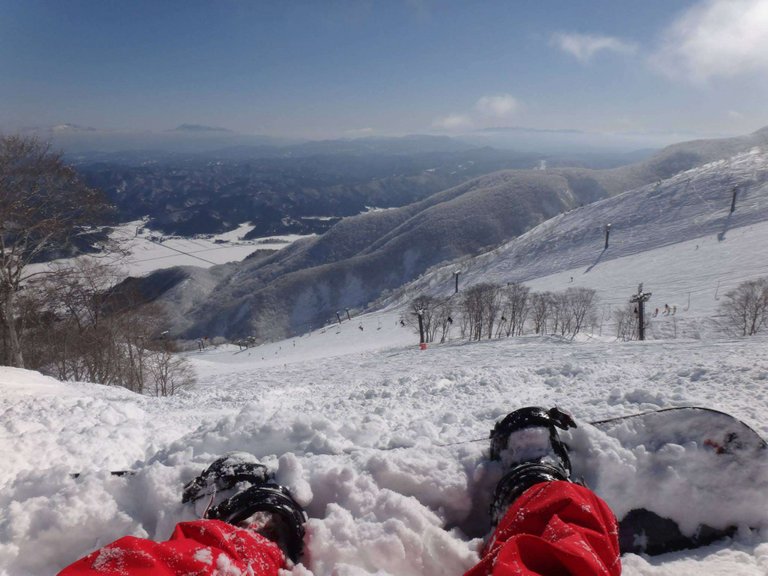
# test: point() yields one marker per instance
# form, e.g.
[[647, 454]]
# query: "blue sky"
[[346, 68]]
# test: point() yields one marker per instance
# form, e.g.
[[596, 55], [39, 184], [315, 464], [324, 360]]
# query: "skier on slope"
[[545, 525]]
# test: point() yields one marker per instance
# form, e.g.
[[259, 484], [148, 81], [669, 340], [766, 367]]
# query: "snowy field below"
[[148, 251], [386, 447]]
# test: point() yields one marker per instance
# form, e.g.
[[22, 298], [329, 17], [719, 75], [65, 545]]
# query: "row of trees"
[[67, 321], [77, 327], [489, 310]]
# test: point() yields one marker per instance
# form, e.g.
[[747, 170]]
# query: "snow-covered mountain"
[[688, 216], [362, 257], [385, 444]]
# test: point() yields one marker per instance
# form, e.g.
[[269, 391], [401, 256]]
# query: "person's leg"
[[553, 528], [252, 529], [545, 525], [199, 548]]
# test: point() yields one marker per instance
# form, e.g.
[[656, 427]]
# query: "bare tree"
[[481, 307], [465, 319], [83, 342], [541, 306], [561, 318], [516, 308], [627, 322], [426, 306], [43, 206], [581, 302], [85, 329], [745, 308], [169, 372], [492, 304], [472, 312], [443, 320]]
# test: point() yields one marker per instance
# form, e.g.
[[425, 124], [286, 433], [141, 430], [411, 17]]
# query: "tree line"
[[68, 320], [489, 310]]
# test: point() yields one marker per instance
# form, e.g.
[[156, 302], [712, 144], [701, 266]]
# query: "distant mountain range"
[[199, 128], [364, 256], [89, 143]]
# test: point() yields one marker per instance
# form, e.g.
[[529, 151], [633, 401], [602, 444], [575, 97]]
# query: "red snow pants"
[[199, 548], [554, 528]]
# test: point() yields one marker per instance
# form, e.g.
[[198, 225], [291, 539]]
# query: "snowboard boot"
[[529, 448], [246, 495]]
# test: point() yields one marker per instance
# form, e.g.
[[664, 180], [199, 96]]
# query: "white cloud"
[[453, 122], [716, 38], [585, 46], [497, 106], [487, 111]]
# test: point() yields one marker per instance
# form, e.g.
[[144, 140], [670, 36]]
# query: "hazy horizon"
[[661, 70]]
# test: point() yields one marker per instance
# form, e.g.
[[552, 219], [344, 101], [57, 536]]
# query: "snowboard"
[[676, 478]]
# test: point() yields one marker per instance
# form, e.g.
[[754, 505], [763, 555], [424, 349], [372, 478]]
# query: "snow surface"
[[385, 444], [151, 251], [148, 250]]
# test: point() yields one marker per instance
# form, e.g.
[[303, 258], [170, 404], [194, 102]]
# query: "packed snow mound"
[[19, 382], [47, 423]]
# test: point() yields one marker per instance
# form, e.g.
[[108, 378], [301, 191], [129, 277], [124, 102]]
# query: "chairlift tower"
[[640, 299]]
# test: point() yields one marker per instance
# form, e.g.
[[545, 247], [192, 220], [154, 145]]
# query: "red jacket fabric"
[[200, 548], [554, 528]]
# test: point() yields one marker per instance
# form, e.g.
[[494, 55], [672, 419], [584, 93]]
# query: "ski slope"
[[386, 444], [678, 237]]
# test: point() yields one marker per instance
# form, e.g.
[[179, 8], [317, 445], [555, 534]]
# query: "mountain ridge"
[[364, 256]]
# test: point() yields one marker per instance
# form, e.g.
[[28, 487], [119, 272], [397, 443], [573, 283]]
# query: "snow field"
[[148, 251], [386, 449]]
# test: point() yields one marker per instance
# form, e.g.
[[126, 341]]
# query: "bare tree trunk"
[[7, 316]]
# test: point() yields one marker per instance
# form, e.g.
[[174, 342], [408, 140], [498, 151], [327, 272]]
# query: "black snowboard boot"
[[527, 444], [247, 495]]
